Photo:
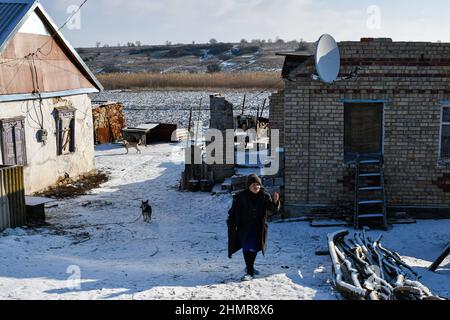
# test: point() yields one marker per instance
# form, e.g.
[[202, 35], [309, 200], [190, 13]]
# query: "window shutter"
[[9, 157], [19, 135], [59, 136], [72, 135], [13, 141], [65, 123]]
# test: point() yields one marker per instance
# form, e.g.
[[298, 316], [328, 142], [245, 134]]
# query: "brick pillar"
[[221, 119]]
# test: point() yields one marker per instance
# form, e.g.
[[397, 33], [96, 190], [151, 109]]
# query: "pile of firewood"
[[363, 269]]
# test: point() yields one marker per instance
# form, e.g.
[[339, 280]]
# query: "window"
[[363, 129], [445, 134], [13, 142], [65, 130]]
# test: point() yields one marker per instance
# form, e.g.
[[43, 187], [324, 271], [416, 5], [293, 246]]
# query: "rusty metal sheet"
[[55, 70]]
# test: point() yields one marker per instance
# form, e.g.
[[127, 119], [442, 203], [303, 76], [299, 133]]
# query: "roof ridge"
[[19, 11]]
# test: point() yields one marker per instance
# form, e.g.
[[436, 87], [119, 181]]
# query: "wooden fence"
[[12, 197]]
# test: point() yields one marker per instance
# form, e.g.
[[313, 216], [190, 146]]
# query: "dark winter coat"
[[249, 212]]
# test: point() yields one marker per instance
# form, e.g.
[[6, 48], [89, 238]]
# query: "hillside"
[[192, 58]]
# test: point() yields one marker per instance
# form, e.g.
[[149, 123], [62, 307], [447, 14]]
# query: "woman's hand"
[[276, 197]]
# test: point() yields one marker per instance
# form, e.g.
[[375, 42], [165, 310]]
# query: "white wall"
[[44, 166]]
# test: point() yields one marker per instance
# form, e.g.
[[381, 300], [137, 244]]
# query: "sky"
[[184, 21]]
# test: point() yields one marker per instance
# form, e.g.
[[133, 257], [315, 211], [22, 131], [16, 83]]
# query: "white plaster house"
[[45, 112]]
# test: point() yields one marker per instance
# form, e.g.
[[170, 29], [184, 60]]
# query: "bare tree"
[[279, 40], [98, 44], [213, 41], [302, 45]]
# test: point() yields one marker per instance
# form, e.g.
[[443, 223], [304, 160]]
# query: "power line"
[[267, 89], [13, 60], [51, 38], [60, 28]]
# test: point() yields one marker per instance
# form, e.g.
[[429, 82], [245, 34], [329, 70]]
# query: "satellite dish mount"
[[328, 61]]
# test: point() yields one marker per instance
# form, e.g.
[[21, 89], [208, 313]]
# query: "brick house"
[[398, 107]]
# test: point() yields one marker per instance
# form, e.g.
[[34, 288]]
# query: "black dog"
[[146, 211]]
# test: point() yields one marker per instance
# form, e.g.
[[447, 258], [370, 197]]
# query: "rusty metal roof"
[[304, 53], [12, 15]]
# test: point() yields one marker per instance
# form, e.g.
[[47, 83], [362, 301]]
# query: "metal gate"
[[12, 197]]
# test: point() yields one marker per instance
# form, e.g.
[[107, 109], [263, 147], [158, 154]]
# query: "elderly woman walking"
[[247, 222]]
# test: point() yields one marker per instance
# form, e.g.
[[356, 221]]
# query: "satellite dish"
[[327, 58]]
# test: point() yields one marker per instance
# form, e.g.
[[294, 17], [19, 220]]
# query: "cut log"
[[439, 260]]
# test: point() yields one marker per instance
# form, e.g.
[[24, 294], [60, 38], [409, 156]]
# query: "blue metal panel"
[[444, 102], [12, 12]]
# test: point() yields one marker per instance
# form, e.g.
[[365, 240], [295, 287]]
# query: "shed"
[[151, 132]]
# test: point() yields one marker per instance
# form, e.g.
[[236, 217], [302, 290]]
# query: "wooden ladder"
[[370, 194]]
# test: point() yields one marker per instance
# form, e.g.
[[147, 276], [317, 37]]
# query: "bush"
[[211, 68]]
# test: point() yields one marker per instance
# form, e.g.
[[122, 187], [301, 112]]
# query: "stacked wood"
[[365, 270], [109, 120]]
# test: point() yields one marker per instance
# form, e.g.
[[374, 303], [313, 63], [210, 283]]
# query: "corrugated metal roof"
[[12, 12]]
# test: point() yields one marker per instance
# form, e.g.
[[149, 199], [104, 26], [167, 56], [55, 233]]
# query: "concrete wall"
[[412, 78], [221, 119], [44, 165]]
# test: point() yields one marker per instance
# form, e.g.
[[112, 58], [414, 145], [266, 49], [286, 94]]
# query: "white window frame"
[[443, 160]]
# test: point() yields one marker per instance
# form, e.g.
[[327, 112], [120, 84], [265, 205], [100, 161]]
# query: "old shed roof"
[[293, 60]]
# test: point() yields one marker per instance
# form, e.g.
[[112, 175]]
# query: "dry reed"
[[256, 80]]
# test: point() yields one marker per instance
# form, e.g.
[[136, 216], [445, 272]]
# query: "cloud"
[[154, 21]]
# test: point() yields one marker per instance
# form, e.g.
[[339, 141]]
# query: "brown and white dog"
[[127, 144]]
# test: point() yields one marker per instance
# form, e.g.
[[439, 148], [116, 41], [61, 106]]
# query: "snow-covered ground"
[[182, 254], [174, 106]]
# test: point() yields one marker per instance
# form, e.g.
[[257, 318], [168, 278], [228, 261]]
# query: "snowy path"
[[182, 254]]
